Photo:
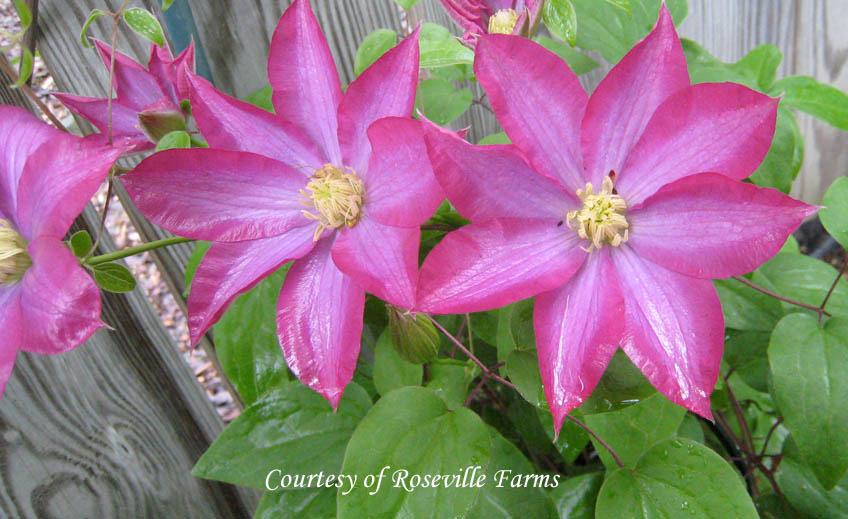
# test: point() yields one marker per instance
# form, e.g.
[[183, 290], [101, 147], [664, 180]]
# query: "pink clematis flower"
[[615, 210], [147, 105], [479, 17], [48, 303], [338, 182]]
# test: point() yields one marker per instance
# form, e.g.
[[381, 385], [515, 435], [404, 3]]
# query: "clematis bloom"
[[338, 182], [614, 210], [147, 102], [479, 17], [48, 303]]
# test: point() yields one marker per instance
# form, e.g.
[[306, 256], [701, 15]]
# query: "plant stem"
[[10, 71], [835, 283], [489, 374], [745, 281], [138, 249]]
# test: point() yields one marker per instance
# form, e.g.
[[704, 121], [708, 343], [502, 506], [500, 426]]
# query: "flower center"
[[503, 21], [14, 260], [336, 196], [601, 219]]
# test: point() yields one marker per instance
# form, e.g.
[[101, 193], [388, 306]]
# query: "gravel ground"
[[124, 235]]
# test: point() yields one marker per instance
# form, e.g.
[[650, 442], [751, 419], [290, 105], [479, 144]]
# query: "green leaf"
[[561, 19], [247, 344], [804, 279], [747, 353], [114, 277], [495, 138], [166, 4], [441, 102], [25, 70], [746, 309], [575, 497], [372, 48], [522, 368], [81, 243], [197, 254], [412, 429], [24, 14], [817, 99], [406, 4], [786, 154], [92, 16], [635, 429], [502, 496], [621, 386], [834, 214], [390, 370], [624, 5], [143, 23], [262, 98], [612, 31], [515, 328], [292, 429], [676, 478], [314, 503], [174, 140], [449, 379], [572, 438], [578, 62], [440, 48], [758, 69], [806, 494], [809, 366]]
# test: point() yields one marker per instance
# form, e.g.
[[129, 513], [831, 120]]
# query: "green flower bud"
[[413, 335], [159, 123]]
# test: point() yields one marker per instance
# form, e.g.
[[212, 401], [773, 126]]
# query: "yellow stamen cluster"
[[503, 21], [336, 195], [601, 220], [14, 260]]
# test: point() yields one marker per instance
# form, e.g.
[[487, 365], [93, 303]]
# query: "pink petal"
[[385, 89], [709, 226], [400, 186], [169, 71], [578, 329], [492, 181], [125, 124], [304, 78], [12, 325], [381, 259], [230, 269], [674, 329], [58, 181], [624, 102], [538, 101], [134, 85], [319, 321], [20, 135], [230, 124], [60, 303], [218, 195], [497, 262], [720, 127], [471, 15]]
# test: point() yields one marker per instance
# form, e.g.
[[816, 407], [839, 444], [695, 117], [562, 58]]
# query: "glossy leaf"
[[292, 429], [834, 214], [575, 497], [783, 162], [25, 71], [314, 503], [804, 279], [633, 430], [412, 429], [449, 379], [746, 309], [522, 368], [114, 277], [441, 102], [81, 243], [372, 48], [92, 17], [809, 366], [143, 23], [24, 14], [246, 341], [808, 496], [676, 478], [440, 48], [390, 370], [197, 254], [262, 98], [622, 385], [746, 353], [174, 140], [757, 69], [561, 19], [578, 62], [817, 99]]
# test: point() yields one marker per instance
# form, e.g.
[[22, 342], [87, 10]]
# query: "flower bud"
[[413, 335], [160, 122]]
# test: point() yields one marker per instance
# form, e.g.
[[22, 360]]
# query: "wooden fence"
[[113, 428]]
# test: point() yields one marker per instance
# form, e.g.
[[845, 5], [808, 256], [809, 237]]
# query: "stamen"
[[14, 259], [602, 219], [503, 21], [336, 197]]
